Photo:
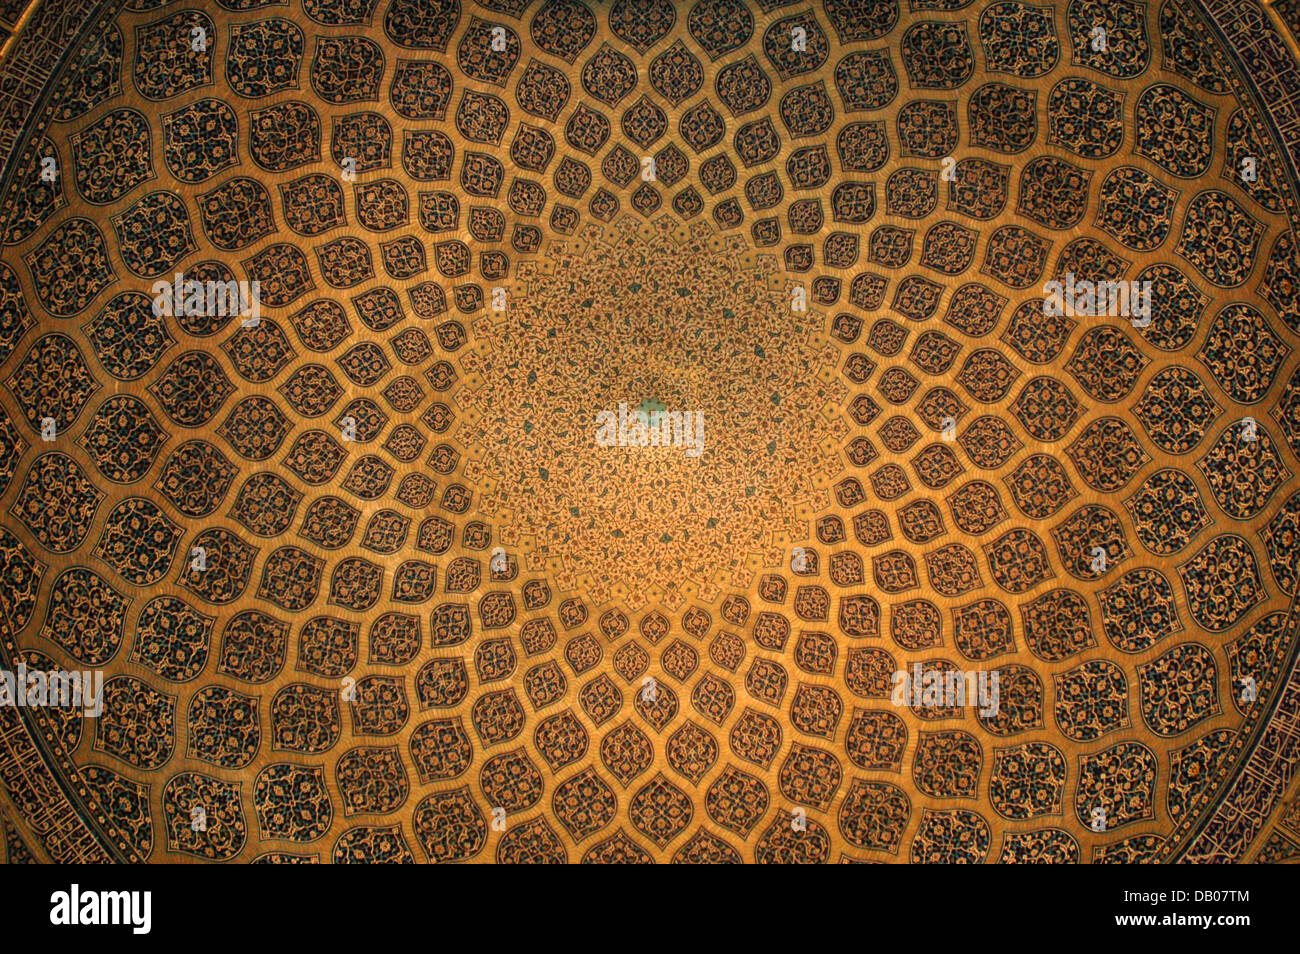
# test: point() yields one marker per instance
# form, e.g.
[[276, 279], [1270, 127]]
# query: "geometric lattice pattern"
[[362, 583]]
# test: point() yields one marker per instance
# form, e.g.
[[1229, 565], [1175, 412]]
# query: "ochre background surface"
[[352, 680]]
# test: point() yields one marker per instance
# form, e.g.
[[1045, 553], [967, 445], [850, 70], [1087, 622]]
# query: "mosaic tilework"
[[363, 581]]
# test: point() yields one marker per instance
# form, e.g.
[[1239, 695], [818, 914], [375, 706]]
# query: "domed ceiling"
[[380, 563]]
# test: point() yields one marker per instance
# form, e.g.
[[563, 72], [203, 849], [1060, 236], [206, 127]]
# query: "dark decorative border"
[[33, 63], [42, 780], [1266, 751]]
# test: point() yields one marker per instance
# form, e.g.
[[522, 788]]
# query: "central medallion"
[[650, 407]]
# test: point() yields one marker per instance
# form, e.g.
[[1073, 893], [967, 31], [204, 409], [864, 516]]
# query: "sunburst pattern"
[[364, 580]]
